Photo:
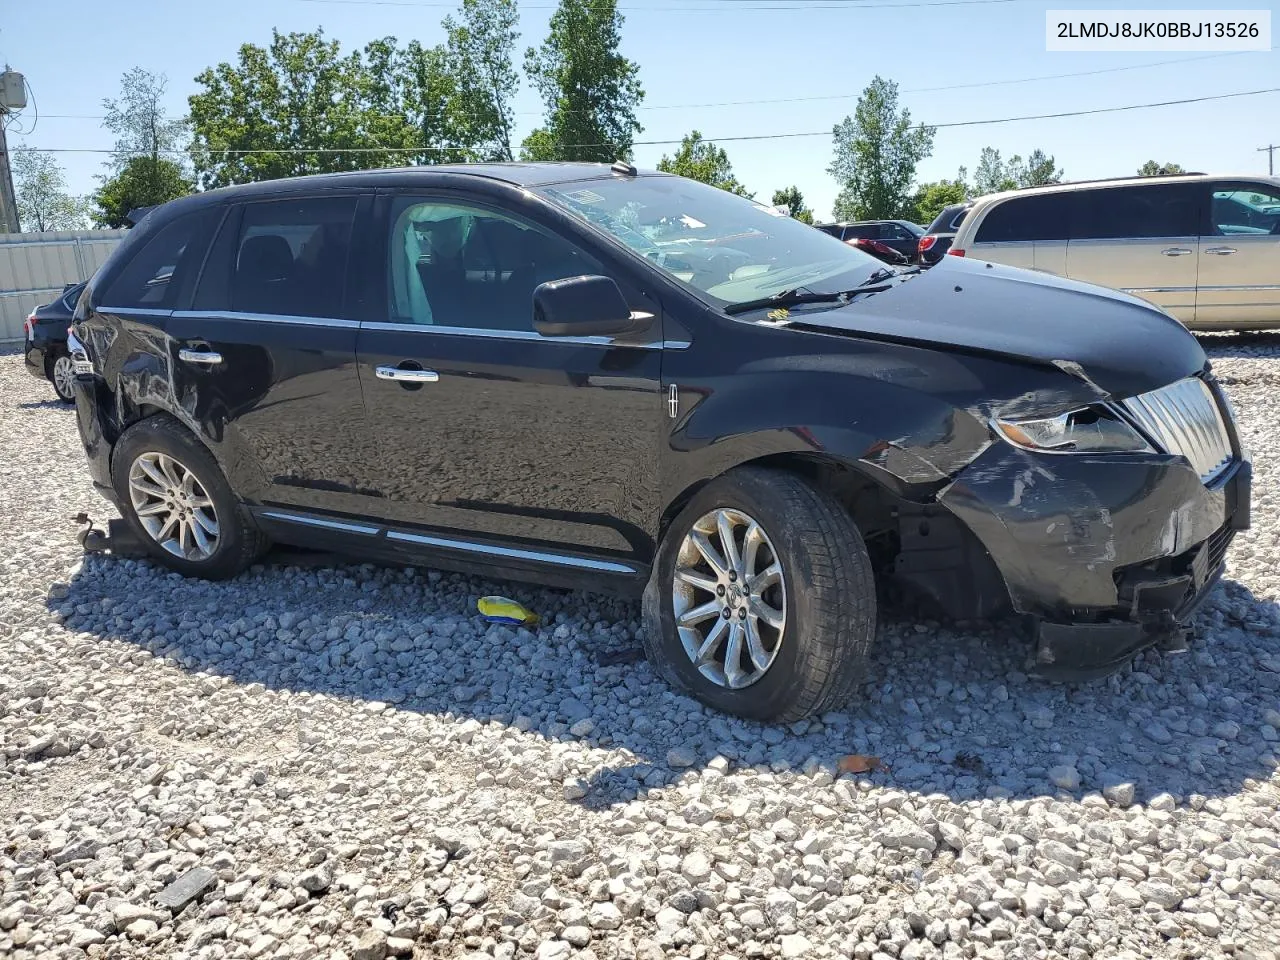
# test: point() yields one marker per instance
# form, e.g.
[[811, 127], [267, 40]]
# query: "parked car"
[[496, 369], [1204, 248], [46, 342], [880, 250], [941, 232], [901, 235]]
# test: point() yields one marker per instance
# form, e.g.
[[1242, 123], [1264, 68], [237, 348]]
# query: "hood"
[[1119, 343]]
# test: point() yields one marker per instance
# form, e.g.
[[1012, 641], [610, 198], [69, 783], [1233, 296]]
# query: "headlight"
[[1080, 431]]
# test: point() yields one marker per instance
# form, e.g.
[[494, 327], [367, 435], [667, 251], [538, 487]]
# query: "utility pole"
[[8, 202], [1271, 157]]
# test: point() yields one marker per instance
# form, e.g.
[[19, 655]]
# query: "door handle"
[[205, 358], [411, 376], [1176, 251], [1221, 251]]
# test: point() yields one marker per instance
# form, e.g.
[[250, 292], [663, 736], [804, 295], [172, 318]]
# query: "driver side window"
[[1246, 210], [456, 265]]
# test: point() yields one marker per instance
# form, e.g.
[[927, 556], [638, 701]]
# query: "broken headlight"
[[1088, 430]]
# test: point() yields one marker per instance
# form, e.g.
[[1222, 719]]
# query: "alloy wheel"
[[64, 378], [173, 506], [730, 599]]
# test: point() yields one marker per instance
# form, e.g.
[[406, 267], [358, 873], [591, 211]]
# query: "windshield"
[[723, 246]]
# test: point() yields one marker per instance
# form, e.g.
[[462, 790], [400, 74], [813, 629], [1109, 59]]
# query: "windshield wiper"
[[798, 295]]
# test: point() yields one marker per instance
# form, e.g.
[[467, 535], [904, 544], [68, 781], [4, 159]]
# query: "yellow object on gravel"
[[502, 610]]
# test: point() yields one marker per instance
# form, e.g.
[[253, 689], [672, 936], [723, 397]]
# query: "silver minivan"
[[1204, 248]]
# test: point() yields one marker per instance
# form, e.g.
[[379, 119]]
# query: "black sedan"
[[46, 346]]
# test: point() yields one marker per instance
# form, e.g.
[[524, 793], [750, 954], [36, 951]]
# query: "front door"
[[493, 436], [1240, 256], [266, 356]]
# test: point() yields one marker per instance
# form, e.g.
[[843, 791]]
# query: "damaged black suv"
[[592, 377]]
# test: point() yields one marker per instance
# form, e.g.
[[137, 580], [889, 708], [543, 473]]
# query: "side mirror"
[[582, 307]]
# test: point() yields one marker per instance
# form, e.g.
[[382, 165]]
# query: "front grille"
[[1184, 418]]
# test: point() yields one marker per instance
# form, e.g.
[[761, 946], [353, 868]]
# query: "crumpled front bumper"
[[1109, 554]]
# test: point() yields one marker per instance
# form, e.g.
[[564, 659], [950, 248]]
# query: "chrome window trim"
[[511, 552], [1243, 286], [266, 318], [524, 335], [1160, 289], [135, 311], [310, 521], [1180, 238]]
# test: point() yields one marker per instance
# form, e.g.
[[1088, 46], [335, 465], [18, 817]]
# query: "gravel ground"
[[355, 766]]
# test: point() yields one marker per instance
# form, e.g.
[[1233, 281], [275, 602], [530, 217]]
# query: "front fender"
[[905, 440]]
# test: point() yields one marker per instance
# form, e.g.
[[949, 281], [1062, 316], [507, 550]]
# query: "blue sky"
[[697, 55]]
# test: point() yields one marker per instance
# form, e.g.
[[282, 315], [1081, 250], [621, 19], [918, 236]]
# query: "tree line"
[[302, 105]]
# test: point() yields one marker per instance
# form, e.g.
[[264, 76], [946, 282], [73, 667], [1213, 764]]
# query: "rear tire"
[[180, 506], [824, 599]]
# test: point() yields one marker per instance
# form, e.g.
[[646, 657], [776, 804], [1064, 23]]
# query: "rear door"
[[265, 356], [1010, 229], [497, 441], [899, 238], [1239, 281], [1141, 239]]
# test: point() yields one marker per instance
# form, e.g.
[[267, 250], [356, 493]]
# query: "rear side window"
[[1164, 210], [162, 272], [864, 231], [291, 257], [949, 219], [1043, 217]]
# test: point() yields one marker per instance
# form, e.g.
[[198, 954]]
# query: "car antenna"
[[623, 169]]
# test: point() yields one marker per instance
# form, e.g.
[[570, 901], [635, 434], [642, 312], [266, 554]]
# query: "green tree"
[[1153, 169], [591, 91], [994, 175], [479, 57], [876, 154], [703, 161], [145, 181], [1038, 171], [793, 200], [930, 198], [140, 121], [44, 202]]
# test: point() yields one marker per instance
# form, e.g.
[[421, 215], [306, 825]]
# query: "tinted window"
[[831, 228], [459, 266], [165, 265], [1245, 209], [1167, 210], [949, 219], [895, 231], [1043, 217], [291, 257], [866, 231]]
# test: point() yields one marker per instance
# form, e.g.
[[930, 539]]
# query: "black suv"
[[938, 238], [585, 376]]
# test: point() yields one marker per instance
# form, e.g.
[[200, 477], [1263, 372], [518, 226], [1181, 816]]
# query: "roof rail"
[[1134, 176]]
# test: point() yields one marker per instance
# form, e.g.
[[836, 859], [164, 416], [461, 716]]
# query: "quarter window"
[[160, 274], [1146, 212], [451, 265], [291, 257], [1246, 210], [1019, 219]]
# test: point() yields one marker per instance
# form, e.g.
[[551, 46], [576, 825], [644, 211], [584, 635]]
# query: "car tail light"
[[926, 243], [857, 241], [955, 252], [29, 324]]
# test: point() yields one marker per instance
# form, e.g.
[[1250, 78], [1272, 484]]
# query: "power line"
[[658, 143], [843, 96], [741, 4]]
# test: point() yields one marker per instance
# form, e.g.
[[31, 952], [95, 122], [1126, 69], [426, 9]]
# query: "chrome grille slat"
[[1184, 419]]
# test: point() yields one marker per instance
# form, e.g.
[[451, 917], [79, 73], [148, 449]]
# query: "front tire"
[[62, 374], [762, 599], [178, 503]]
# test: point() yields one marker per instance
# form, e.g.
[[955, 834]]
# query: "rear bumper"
[[1107, 555], [94, 438], [35, 359]]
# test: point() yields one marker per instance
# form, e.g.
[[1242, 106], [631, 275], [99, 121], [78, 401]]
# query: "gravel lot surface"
[[359, 767]]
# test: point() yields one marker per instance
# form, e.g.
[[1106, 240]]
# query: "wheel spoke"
[[151, 510], [765, 578], [709, 553], [750, 547], [695, 579], [188, 484], [171, 471], [700, 613], [201, 502], [724, 527], [706, 652], [202, 541], [154, 472], [733, 671], [774, 618], [167, 529], [182, 536], [760, 657], [210, 524]]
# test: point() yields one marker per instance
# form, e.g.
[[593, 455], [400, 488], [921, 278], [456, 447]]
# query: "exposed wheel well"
[[919, 547]]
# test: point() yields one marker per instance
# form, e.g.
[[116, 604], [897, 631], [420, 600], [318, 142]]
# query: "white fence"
[[34, 267]]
